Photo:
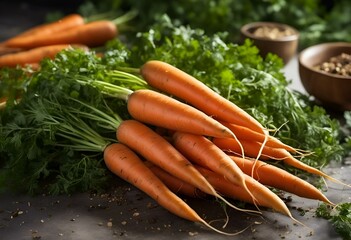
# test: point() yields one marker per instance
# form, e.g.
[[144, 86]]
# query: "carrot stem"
[[125, 77], [125, 17]]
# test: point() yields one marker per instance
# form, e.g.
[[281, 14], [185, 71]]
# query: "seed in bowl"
[[340, 64], [272, 32]]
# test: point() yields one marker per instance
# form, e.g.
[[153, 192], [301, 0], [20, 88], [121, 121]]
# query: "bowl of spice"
[[325, 73], [271, 37]]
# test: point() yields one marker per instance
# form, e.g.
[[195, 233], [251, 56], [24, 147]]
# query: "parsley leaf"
[[339, 216]]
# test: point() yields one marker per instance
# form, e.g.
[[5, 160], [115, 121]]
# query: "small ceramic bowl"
[[326, 85], [277, 38]]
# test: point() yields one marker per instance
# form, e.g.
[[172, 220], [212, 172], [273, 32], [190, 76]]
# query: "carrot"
[[263, 195], [157, 150], [34, 55], [203, 152], [123, 162], [175, 184], [155, 108], [244, 133], [174, 81], [91, 34], [251, 148], [273, 176], [71, 20], [200, 150]]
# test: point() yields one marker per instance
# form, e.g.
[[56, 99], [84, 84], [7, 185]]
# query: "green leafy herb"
[[317, 20], [339, 216], [53, 139], [57, 132]]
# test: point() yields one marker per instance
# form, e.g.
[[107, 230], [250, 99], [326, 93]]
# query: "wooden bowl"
[[277, 38], [330, 89]]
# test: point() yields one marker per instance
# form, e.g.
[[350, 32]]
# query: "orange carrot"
[[71, 20], [200, 150], [154, 148], [273, 176], [91, 34], [155, 108], [123, 162], [264, 196], [174, 81], [175, 184], [251, 149], [34, 55], [244, 133], [126, 164]]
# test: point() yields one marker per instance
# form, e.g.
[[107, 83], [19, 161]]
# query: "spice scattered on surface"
[[16, 213], [272, 32], [193, 233], [340, 65], [35, 235], [109, 224]]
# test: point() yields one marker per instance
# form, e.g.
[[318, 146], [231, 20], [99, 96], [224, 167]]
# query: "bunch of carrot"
[[195, 143], [203, 144], [46, 40]]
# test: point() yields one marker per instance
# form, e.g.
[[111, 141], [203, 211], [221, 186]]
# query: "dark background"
[[16, 16]]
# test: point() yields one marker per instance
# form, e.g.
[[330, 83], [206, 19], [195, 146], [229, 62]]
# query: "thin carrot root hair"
[[218, 196], [259, 153], [226, 220], [288, 147], [240, 145], [226, 223], [299, 222], [222, 232]]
